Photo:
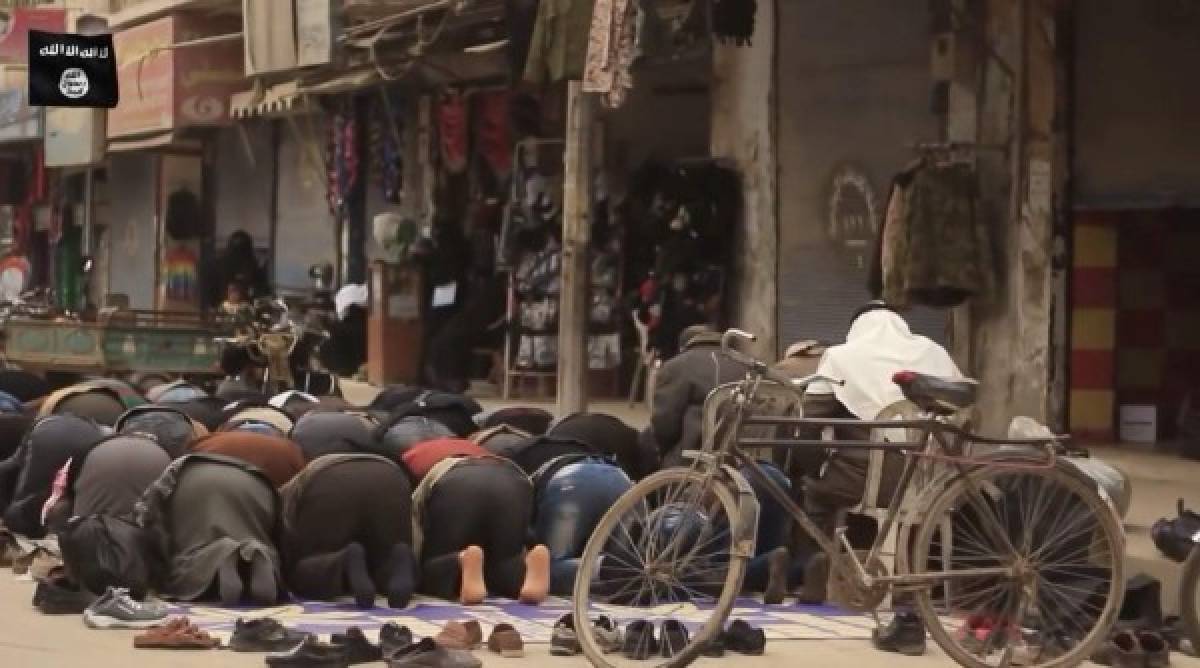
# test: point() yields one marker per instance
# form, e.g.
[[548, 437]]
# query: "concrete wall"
[[1137, 106], [243, 182], [305, 234], [132, 188], [743, 98]]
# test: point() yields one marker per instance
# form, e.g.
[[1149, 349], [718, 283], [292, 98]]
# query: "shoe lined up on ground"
[[357, 647], [428, 654], [506, 641], [564, 641], [905, 634], [178, 633], [116, 609], [263, 635], [460, 635], [394, 639], [61, 596], [1134, 649], [311, 653]]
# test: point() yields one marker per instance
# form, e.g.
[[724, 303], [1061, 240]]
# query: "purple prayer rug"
[[426, 616]]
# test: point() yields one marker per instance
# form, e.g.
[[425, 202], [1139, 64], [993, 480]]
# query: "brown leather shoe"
[[1121, 651], [460, 635], [506, 641]]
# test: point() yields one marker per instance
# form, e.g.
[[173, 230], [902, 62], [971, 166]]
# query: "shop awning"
[[278, 99], [168, 139]]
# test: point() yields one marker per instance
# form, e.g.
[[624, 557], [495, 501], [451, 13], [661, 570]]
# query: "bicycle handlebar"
[[799, 385]]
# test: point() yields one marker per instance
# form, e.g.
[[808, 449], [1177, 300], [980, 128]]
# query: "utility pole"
[[576, 232]]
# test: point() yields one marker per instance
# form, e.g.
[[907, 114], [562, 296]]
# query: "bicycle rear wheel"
[[668, 549], [1063, 547]]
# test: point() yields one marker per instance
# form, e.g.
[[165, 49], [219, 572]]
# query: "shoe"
[[310, 652], [460, 635], [506, 641], [1121, 651], [116, 610], [428, 654], [816, 580], [640, 643], [564, 641], [904, 635], [779, 562], [742, 638], [394, 639], [673, 638], [356, 646], [60, 596], [178, 633], [1158, 653], [715, 648], [608, 636], [263, 635]]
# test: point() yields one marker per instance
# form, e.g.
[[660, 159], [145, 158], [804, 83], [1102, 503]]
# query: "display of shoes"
[[460, 635], [742, 638], [177, 633], [61, 596], [673, 638], [263, 635], [640, 642], [115, 609], [904, 635], [1121, 651], [506, 641], [357, 647], [310, 653], [563, 639], [428, 654], [394, 639]]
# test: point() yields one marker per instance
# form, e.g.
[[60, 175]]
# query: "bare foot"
[[537, 576], [472, 591]]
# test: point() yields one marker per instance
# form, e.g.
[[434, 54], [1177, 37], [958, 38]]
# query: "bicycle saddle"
[[941, 396]]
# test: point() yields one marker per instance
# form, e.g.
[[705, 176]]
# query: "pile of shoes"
[[1141, 637], [640, 640], [450, 648]]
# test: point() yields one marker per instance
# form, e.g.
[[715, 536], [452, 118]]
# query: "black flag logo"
[[67, 70]]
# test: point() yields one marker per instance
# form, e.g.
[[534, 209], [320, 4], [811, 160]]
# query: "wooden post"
[[572, 328]]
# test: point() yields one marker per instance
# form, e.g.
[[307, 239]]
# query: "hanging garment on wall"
[[612, 43], [733, 21], [184, 219], [933, 247], [343, 159], [493, 136], [387, 153], [452, 131], [558, 48]]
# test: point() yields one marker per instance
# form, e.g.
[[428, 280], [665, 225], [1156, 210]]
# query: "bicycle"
[[1189, 597], [1008, 558]]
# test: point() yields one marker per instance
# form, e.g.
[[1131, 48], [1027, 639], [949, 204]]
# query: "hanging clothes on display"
[[733, 21], [343, 159], [452, 131], [387, 151], [493, 136], [612, 43], [933, 248], [558, 48]]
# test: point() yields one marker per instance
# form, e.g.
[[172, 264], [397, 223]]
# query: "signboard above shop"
[[168, 85], [14, 39]]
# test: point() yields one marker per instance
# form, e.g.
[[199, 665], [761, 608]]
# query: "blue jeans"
[[773, 524], [569, 506]]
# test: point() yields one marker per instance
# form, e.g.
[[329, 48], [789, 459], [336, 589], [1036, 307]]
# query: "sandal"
[[178, 633]]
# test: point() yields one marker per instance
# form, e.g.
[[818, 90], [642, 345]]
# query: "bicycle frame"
[[724, 442]]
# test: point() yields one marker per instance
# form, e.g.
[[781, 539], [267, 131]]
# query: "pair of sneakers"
[[116, 609], [565, 640]]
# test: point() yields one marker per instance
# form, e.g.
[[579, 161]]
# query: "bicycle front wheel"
[[668, 550], [1028, 568]]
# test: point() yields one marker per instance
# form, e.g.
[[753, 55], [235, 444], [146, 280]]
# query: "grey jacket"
[[684, 382]]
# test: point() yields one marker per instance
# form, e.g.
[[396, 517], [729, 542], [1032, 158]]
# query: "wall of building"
[[1137, 106], [132, 188], [244, 163], [743, 98], [305, 233], [852, 100]]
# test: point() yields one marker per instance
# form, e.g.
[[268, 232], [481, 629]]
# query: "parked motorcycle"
[[275, 350]]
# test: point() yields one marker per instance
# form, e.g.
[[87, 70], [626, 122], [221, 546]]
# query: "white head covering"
[[348, 296], [878, 345]]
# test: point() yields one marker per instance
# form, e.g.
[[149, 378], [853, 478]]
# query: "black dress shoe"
[[640, 643], [311, 653], [742, 638], [904, 635], [358, 649], [60, 596], [394, 639], [673, 638], [263, 635]]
